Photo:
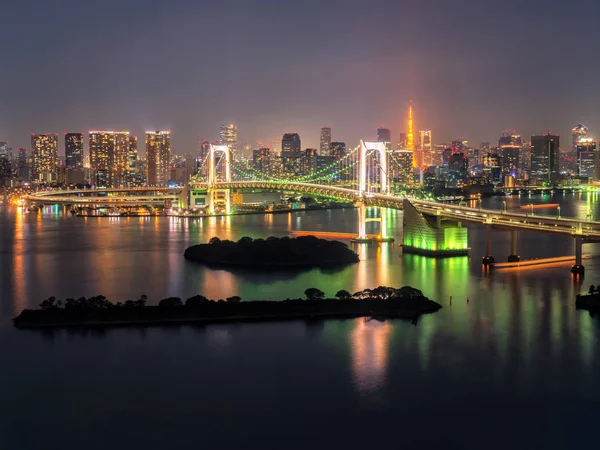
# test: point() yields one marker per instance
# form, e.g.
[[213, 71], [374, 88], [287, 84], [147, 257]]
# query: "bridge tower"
[[219, 198], [378, 151]]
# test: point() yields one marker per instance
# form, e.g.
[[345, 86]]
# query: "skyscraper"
[[510, 161], [290, 145], [158, 155], [325, 141], [402, 141], [132, 159], [119, 160], [228, 135], [384, 135], [5, 162], [338, 150], [426, 146], [74, 150], [587, 158], [44, 148], [578, 133], [101, 147], [545, 158]]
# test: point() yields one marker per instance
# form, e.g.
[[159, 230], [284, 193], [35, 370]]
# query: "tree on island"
[[196, 300], [234, 299], [245, 240], [343, 294], [214, 240], [171, 302], [314, 294]]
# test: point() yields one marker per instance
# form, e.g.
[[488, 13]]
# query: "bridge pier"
[[513, 257], [578, 268], [488, 258]]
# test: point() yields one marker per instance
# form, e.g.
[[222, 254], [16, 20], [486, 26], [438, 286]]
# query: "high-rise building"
[[510, 161], [119, 160], [403, 169], [587, 158], [338, 150], [110, 157], [402, 141], [74, 150], [158, 156], [261, 161], [22, 167], [44, 148], [426, 147], [5, 162], [228, 135], [325, 141], [101, 146], [132, 160], [578, 133], [290, 145], [510, 137], [545, 158], [385, 135]]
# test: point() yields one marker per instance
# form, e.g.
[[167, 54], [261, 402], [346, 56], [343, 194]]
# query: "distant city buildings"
[[325, 140], [545, 158], [228, 135], [158, 156], [74, 150], [385, 135], [44, 148]]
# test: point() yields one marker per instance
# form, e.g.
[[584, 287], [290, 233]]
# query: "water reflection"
[[370, 352]]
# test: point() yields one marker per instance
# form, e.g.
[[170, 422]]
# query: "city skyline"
[[333, 87]]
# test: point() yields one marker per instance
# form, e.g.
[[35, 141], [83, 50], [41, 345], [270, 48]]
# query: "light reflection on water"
[[517, 335]]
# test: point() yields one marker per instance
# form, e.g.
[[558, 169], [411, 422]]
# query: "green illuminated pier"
[[429, 235]]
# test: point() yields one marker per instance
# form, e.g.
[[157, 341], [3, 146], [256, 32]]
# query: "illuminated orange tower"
[[410, 136]]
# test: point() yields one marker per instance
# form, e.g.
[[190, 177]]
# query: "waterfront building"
[[44, 148], [291, 153], [325, 140], [119, 160], [101, 146], [158, 156], [587, 159], [74, 150], [545, 158], [510, 161], [132, 160]]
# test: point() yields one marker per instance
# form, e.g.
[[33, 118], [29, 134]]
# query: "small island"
[[379, 303], [273, 252]]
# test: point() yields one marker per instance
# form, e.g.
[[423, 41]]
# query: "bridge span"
[[493, 220]]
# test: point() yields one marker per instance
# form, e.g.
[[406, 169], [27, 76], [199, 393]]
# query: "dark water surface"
[[515, 366]]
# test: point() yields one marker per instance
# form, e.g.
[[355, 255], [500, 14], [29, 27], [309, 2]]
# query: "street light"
[[558, 208], [504, 205], [531, 204]]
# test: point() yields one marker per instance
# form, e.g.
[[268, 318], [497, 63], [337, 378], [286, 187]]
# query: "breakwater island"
[[273, 252], [381, 303]]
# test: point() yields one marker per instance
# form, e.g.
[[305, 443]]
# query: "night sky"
[[471, 68]]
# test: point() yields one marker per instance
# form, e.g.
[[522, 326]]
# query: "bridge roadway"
[[90, 197], [498, 219], [590, 231]]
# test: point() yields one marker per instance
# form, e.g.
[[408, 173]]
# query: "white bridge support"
[[366, 149], [219, 197]]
